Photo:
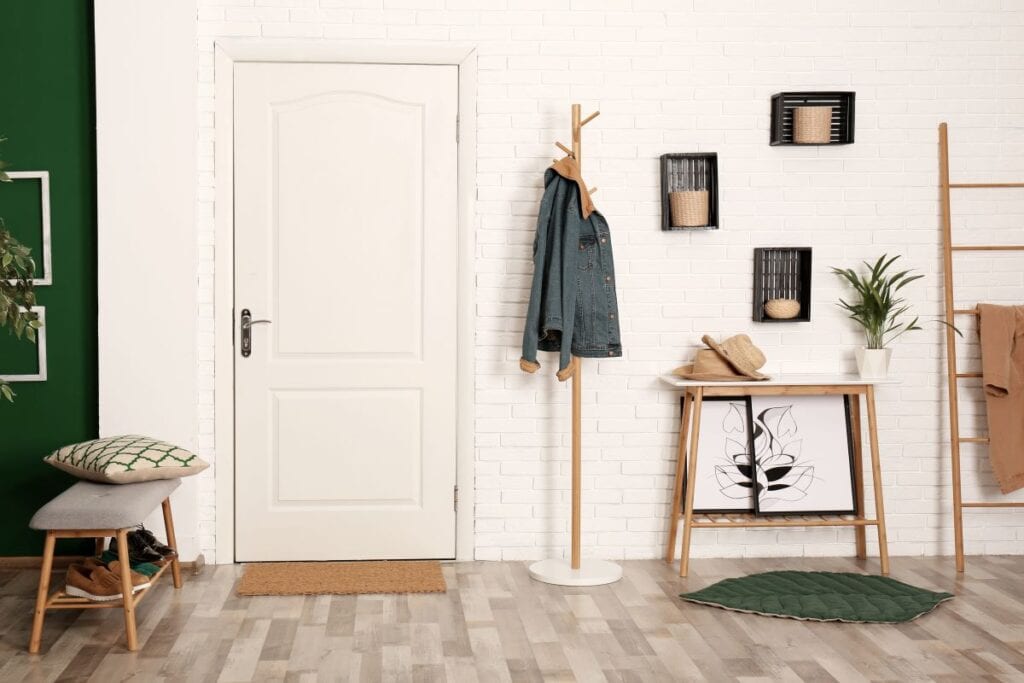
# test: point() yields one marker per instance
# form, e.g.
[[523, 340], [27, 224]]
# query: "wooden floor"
[[495, 624]]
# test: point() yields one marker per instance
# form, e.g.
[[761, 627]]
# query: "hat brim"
[[686, 372], [724, 355]]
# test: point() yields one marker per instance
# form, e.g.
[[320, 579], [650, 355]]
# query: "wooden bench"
[[91, 510]]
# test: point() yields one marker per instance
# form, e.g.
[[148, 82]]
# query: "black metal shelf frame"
[[782, 273], [842, 103], [690, 171]]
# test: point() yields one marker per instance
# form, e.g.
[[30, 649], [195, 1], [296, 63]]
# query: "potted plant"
[[16, 293], [879, 309]]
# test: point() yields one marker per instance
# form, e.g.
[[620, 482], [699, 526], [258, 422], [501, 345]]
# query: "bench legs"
[[129, 600], [126, 590], [172, 542], [43, 594]]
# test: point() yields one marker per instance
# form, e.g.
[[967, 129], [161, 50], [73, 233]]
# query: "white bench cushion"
[[88, 505]]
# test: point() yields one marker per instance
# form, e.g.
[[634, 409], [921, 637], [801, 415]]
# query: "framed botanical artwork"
[[803, 455], [724, 474]]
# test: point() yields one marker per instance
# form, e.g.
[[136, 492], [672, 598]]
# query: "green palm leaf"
[[877, 308]]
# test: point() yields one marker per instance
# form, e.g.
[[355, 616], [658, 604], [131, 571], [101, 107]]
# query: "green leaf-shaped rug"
[[821, 596]]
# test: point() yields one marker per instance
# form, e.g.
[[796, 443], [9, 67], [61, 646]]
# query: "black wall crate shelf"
[[688, 172], [782, 273], [784, 103]]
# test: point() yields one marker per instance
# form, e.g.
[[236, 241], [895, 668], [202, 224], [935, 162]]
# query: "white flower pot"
[[873, 363]]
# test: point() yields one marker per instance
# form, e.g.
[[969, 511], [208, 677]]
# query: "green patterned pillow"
[[126, 460]]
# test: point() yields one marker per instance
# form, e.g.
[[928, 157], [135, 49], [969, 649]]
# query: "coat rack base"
[[561, 573]]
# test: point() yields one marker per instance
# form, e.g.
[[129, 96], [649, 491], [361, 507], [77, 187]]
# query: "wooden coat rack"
[[953, 374], [576, 572]]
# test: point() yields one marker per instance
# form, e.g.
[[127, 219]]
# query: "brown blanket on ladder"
[[1002, 366]]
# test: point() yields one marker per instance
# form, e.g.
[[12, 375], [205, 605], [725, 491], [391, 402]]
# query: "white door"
[[346, 240]]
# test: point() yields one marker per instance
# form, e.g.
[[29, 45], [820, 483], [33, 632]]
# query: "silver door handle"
[[247, 322]]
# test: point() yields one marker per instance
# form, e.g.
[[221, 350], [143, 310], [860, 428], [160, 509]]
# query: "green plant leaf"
[[877, 308], [17, 296]]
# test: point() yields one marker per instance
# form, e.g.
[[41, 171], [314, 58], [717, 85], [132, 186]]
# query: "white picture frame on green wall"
[[45, 260], [40, 374]]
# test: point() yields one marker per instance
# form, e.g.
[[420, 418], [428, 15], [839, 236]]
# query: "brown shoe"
[[92, 583], [91, 563], [139, 581]]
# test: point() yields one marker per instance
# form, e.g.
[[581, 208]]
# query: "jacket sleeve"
[[570, 221], [541, 257]]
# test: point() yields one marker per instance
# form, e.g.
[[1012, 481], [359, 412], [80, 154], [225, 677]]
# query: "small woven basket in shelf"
[[782, 309], [689, 208], [812, 125]]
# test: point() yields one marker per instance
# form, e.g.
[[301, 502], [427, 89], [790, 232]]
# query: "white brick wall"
[[685, 76]]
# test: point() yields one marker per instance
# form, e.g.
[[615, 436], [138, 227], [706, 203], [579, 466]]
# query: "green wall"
[[47, 113]]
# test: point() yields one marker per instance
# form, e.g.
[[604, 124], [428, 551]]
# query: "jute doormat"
[[341, 578]]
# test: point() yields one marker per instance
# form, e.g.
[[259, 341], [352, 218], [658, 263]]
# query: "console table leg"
[[677, 489], [876, 475], [861, 533], [684, 561]]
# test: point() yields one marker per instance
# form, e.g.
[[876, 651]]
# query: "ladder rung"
[[968, 374], [966, 311], [989, 185], [974, 439], [988, 247], [992, 505]]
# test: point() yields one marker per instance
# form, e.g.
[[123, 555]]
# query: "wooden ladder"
[[954, 375]]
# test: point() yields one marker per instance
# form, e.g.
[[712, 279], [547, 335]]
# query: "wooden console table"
[[853, 386]]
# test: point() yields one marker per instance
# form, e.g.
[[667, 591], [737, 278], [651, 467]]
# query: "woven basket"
[[689, 208], [782, 309], [812, 125]]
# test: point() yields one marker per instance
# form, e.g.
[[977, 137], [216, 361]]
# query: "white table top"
[[783, 380]]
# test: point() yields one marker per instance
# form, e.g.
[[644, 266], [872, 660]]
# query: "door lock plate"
[[246, 333]]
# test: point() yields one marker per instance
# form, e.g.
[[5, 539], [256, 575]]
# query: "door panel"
[[377, 243], [384, 424], [345, 238]]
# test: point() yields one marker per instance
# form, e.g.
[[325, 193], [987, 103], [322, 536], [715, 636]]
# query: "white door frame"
[[231, 52]]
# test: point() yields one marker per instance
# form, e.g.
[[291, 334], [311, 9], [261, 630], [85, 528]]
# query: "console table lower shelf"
[[694, 393]]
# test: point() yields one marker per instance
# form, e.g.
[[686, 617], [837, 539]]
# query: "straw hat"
[[708, 365], [739, 352]]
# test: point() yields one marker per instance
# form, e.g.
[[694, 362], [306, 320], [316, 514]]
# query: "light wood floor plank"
[[496, 624]]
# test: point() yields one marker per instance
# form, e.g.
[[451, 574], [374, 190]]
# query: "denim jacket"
[[572, 309]]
